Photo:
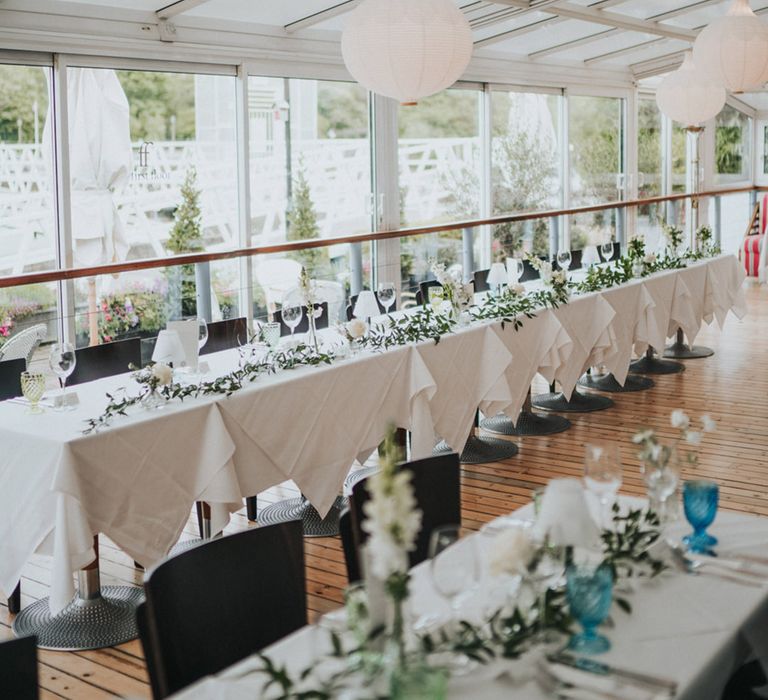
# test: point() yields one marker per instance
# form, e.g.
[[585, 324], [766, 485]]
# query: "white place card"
[[188, 334]]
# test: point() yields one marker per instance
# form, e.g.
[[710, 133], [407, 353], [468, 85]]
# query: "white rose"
[[650, 259], [357, 328], [511, 552], [163, 373], [679, 419], [708, 424], [518, 288], [693, 437]]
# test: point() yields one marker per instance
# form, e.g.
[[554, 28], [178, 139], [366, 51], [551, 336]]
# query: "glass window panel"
[[153, 168], [650, 173], [596, 162], [440, 178], [27, 201], [732, 145], [526, 173], [310, 178]]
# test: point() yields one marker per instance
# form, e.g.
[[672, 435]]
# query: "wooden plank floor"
[[732, 386]]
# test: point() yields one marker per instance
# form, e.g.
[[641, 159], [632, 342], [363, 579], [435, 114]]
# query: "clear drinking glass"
[[33, 388], [515, 269], [545, 570], [661, 481], [202, 333], [564, 259], [387, 295], [271, 333], [602, 474], [62, 361], [435, 297], [606, 250], [454, 561], [292, 316]]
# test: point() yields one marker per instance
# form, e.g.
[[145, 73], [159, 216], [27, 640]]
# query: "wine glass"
[[202, 333], [454, 561], [33, 388], [589, 591], [602, 473], [292, 316], [700, 500], [515, 269], [606, 250], [62, 361], [387, 295], [564, 260]]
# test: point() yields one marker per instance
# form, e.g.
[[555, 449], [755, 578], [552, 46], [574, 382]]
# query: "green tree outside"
[[303, 226]]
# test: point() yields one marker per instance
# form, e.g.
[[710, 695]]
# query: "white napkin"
[[565, 515]]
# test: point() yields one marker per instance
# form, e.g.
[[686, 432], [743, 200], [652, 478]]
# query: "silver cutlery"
[[644, 680], [717, 562], [553, 685], [682, 563]]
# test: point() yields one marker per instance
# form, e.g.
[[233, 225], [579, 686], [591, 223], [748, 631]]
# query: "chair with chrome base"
[[220, 602], [18, 669], [437, 489]]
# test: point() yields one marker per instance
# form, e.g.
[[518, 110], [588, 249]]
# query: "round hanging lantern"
[[733, 49], [690, 96], [406, 49]]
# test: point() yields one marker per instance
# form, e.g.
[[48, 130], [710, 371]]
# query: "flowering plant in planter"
[[13, 312], [135, 310]]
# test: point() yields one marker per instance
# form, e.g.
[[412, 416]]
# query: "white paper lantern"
[[690, 96], [406, 49], [733, 50]]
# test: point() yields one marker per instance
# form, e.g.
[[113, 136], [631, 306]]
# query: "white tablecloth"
[[136, 480], [695, 630]]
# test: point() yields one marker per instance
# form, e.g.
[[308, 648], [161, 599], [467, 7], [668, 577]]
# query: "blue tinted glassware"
[[589, 592], [700, 503]]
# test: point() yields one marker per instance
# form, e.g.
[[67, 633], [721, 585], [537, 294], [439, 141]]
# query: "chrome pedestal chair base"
[[651, 363], [301, 509], [356, 476], [479, 450]]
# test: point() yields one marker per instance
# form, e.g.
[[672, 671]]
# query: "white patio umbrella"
[[101, 160]]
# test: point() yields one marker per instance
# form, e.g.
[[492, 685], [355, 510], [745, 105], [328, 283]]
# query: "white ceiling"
[[641, 37]]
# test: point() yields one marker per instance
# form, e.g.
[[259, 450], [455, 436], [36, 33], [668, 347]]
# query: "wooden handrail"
[[192, 258]]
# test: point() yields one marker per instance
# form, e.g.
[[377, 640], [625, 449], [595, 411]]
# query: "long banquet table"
[[136, 480], [694, 630]]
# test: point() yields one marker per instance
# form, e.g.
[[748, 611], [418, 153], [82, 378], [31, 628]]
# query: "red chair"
[[750, 249]]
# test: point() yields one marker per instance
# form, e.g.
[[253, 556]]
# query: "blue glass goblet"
[[589, 591], [700, 504]]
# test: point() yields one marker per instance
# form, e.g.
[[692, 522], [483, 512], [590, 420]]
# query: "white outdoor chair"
[[23, 345]]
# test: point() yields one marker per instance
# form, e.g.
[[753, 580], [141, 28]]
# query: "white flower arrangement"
[[556, 280], [163, 373], [511, 552], [152, 376], [356, 328], [460, 295], [516, 289], [650, 259], [657, 455]]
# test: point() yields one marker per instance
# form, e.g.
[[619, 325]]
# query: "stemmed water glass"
[[33, 388], [564, 260], [515, 269], [387, 294], [602, 474], [454, 562], [292, 316], [700, 500], [606, 250], [202, 333], [62, 361]]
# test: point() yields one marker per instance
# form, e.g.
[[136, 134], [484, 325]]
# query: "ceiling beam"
[[176, 8], [533, 26], [573, 43], [624, 51], [315, 18]]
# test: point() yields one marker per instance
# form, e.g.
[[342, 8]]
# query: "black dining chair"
[[10, 378], [224, 335], [437, 489], [303, 326], [18, 669], [481, 280], [105, 360], [221, 601], [616, 252], [529, 271]]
